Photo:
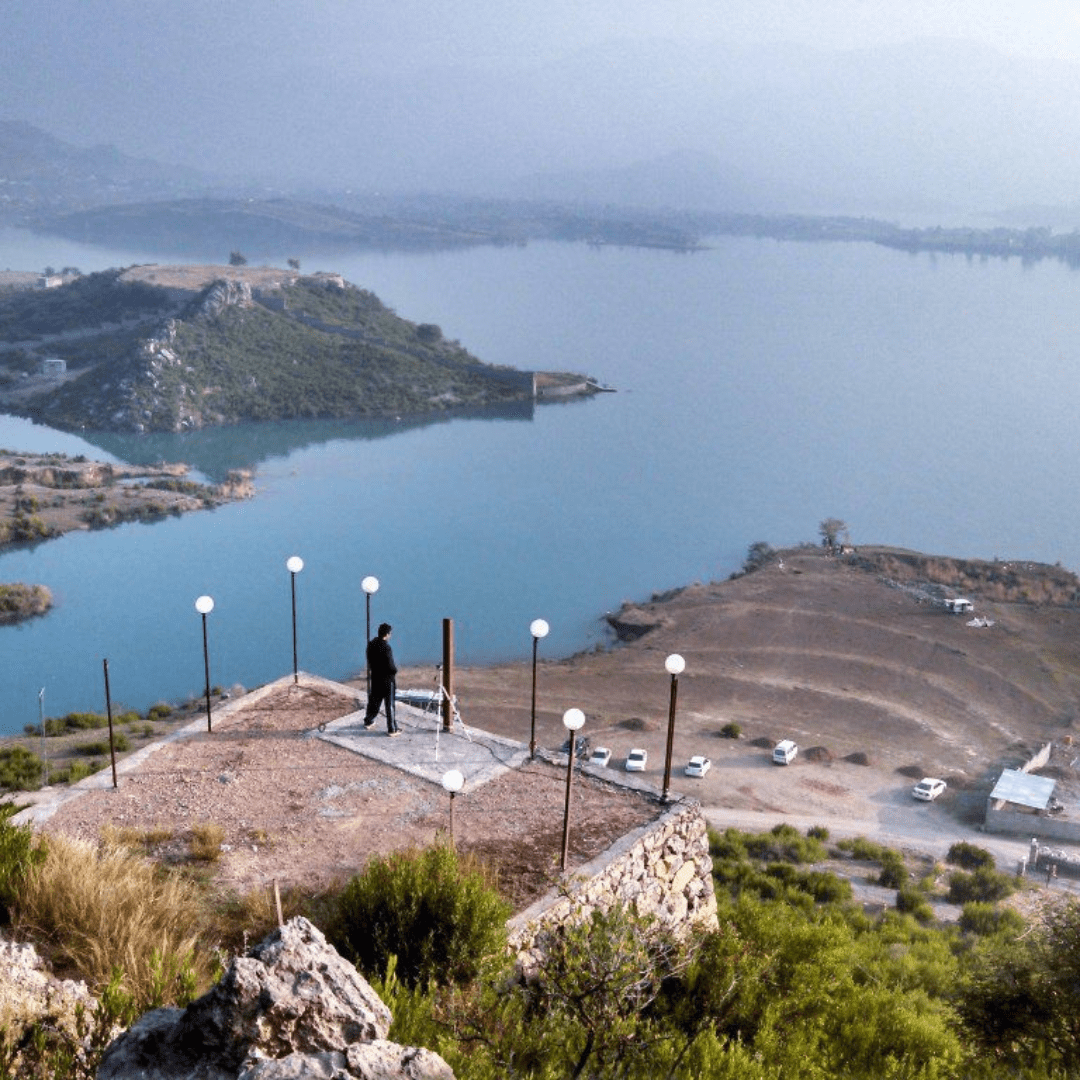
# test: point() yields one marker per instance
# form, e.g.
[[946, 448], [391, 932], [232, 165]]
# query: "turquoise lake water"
[[762, 386]]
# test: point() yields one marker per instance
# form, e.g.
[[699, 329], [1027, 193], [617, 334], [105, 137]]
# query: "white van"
[[784, 752]]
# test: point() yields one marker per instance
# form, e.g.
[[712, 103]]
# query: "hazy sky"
[[853, 96]]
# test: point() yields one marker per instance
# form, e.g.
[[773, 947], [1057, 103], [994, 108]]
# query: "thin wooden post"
[[448, 674], [277, 904], [108, 710]]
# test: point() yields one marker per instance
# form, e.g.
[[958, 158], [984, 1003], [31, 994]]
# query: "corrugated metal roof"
[[1024, 789]]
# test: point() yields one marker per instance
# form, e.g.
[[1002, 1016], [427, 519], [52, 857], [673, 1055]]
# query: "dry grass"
[[1003, 582], [107, 909], [143, 839], [205, 843]]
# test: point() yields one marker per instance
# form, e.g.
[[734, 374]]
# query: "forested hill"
[[157, 348]]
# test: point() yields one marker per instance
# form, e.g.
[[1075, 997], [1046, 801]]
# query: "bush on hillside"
[[784, 843], [983, 884], [985, 919], [440, 918], [19, 854], [911, 901], [969, 856], [20, 769]]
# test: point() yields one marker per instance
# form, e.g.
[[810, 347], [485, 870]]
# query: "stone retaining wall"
[[661, 869]]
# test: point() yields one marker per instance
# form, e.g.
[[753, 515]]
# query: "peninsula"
[[47, 495], [177, 348]]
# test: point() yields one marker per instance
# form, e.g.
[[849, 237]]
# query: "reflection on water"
[[214, 451], [931, 404]]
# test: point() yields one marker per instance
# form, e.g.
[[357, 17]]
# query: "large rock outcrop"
[[292, 1008], [29, 993]]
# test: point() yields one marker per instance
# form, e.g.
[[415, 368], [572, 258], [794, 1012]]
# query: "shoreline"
[[46, 495]]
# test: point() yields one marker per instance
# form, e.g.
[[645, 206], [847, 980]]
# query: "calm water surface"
[[762, 387]]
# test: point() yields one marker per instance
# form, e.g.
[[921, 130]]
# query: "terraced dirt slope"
[[853, 656]]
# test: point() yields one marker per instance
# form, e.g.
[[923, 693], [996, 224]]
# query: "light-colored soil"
[[849, 665], [194, 278], [299, 810], [877, 685]]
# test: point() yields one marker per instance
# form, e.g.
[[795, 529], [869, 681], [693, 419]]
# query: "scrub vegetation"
[[797, 982], [246, 345]]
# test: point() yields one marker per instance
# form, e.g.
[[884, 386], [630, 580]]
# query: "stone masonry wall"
[[662, 869]]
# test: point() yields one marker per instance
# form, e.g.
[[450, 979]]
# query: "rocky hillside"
[[173, 349]]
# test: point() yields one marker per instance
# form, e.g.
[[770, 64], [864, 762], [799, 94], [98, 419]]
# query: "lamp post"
[[370, 585], [573, 719], [539, 629], [453, 781], [675, 665], [294, 564], [204, 605], [41, 729]]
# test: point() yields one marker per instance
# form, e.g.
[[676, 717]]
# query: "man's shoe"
[[369, 723], [392, 734]]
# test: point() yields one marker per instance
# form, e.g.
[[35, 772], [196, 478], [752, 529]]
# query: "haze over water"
[[762, 386]]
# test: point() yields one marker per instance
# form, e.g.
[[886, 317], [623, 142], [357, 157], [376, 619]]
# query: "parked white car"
[[928, 788], [697, 766], [785, 752], [636, 760], [600, 756]]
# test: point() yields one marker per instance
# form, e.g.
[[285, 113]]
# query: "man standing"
[[381, 667]]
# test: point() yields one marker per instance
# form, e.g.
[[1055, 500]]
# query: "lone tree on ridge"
[[830, 530]]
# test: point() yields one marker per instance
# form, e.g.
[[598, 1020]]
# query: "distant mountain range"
[[40, 173]]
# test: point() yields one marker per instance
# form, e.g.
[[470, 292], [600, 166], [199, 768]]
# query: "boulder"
[[28, 992], [291, 1008]]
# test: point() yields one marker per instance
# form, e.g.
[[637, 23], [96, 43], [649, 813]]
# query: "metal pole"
[[41, 728], [108, 711], [566, 811], [448, 673], [295, 670], [670, 736], [206, 665], [367, 639], [532, 735]]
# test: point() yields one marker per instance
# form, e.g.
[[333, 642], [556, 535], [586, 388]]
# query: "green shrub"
[[912, 902], [728, 845], [968, 856], [985, 919], [825, 888], [101, 747], [893, 871], [438, 917], [74, 721], [20, 770], [784, 843], [731, 731], [160, 711], [818, 832], [75, 772], [19, 854], [863, 849], [983, 884]]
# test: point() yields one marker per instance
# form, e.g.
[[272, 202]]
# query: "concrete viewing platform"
[[422, 749]]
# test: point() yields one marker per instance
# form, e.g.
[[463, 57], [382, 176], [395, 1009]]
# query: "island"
[[178, 348]]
